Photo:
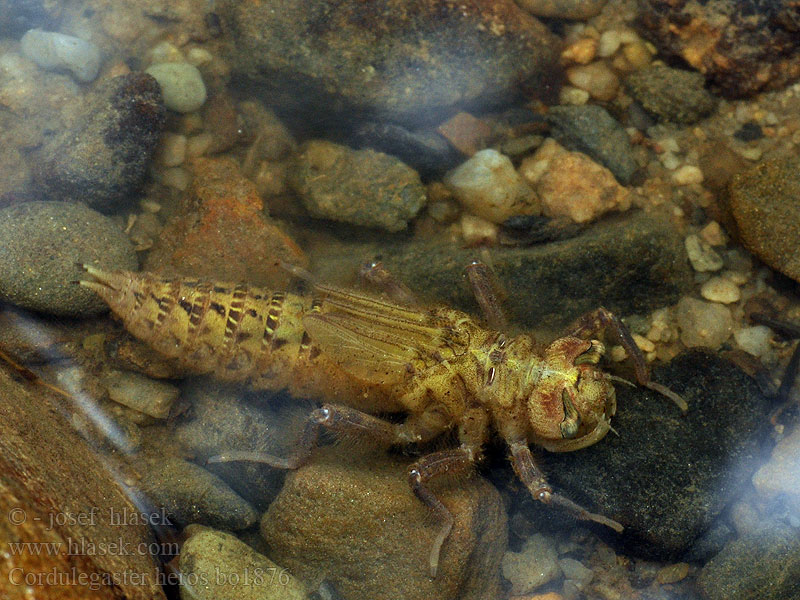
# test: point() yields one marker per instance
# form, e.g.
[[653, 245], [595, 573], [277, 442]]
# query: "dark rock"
[[221, 419], [671, 94], [404, 61], [40, 244], [764, 204], [749, 132], [667, 477], [351, 518], [630, 264], [18, 16], [741, 46], [103, 159], [190, 494], [361, 187], [591, 130], [426, 151], [761, 566]]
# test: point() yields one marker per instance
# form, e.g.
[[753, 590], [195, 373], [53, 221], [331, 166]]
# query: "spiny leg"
[[339, 419], [536, 482], [601, 320], [472, 433], [485, 290]]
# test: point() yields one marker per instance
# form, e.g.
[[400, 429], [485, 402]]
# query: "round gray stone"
[[40, 246]]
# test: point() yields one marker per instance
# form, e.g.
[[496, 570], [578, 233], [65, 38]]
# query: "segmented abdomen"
[[234, 331]]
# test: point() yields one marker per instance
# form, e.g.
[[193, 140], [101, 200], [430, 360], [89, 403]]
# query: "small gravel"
[[720, 289], [702, 256]]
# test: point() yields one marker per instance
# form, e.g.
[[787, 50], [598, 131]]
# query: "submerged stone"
[[408, 61]]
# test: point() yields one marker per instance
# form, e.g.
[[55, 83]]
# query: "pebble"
[[755, 340], [672, 573], [41, 242], [671, 94], [362, 498], [143, 394], [489, 187], [477, 231], [181, 85], [580, 52], [572, 185], [573, 96], [576, 572], [596, 78], [702, 323], [713, 234], [609, 43], [702, 256], [687, 175], [103, 159], [53, 51], [763, 200], [361, 187], [720, 289], [190, 494], [215, 565], [534, 566], [592, 130], [171, 150]]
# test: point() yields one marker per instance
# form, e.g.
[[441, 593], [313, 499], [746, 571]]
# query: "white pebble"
[[572, 95], [576, 572], [181, 85], [720, 289], [535, 566], [488, 186], [703, 323], [609, 43], [755, 340], [669, 160], [51, 50], [687, 175], [702, 256]]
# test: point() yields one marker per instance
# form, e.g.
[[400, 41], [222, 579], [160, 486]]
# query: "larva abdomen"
[[234, 331]]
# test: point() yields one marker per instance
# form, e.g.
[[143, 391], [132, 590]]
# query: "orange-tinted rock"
[[570, 184], [223, 233], [48, 472], [743, 47]]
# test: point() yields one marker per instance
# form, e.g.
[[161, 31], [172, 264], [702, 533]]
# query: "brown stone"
[[48, 472], [222, 232], [352, 519], [764, 203]]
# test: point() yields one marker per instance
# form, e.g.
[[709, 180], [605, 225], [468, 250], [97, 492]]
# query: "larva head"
[[571, 401]]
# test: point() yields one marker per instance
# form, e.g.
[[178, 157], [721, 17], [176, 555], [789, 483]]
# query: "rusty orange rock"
[[223, 231]]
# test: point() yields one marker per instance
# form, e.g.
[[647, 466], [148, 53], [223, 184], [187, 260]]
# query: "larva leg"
[[593, 324], [536, 482], [472, 432], [484, 288], [343, 420], [374, 273]]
